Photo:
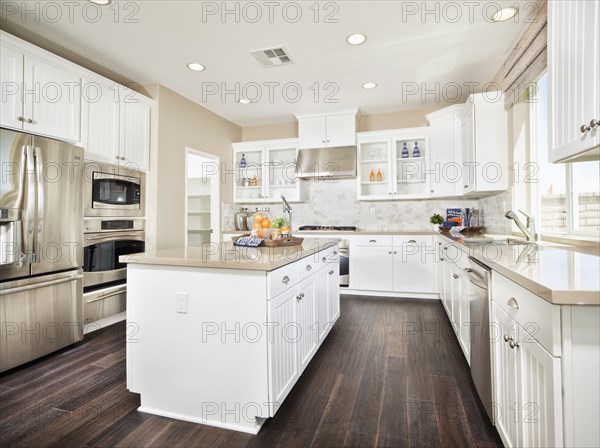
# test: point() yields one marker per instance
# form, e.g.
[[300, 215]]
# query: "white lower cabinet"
[[299, 320], [526, 362], [402, 264]]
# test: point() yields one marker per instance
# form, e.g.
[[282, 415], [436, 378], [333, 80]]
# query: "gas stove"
[[327, 229]]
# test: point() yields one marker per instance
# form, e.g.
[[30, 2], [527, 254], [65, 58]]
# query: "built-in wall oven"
[[105, 277], [113, 191]]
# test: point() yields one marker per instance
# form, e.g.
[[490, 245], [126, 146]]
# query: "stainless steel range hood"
[[330, 163]]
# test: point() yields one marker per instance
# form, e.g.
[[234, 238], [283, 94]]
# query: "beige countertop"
[[228, 256], [560, 274], [358, 232]]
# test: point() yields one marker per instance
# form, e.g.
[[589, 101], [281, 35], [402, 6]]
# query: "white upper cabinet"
[[41, 96], [445, 152], [134, 129], [11, 77], [327, 130], [484, 144], [573, 71], [100, 120], [50, 96]]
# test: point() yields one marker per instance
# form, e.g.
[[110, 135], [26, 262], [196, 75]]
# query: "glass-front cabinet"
[[393, 165], [265, 170]]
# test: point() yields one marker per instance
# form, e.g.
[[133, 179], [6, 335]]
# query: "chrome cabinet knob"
[[584, 128], [466, 186], [395, 253], [122, 158], [513, 344], [455, 276], [117, 157], [285, 280], [390, 252], [29, 120], [594, 123], [506, 338], [20, 119], [331, 272], [309, 267], [324, 259]]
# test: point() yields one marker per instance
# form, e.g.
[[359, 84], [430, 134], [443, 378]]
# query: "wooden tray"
[[282, 242], [471, 230]]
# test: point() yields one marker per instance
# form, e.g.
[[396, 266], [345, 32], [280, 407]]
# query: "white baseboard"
[[107, 321], [403, 295]]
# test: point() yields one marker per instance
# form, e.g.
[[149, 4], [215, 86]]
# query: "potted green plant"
[[276, 225], [437, 220]]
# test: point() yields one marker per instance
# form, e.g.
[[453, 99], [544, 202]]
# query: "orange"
[[266, 224], [258, 217]]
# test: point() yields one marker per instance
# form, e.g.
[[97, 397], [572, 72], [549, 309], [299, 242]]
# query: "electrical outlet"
[[181, 302]]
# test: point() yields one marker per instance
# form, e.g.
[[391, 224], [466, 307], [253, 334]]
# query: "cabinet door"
[[312, 132], [467, 135], [410, 155], [374, 156], [456, 293], [248, 162], [11, 79], [52, 104], [541, 399], [100, 121], [464, 328], [372, 268], [280, 175], [444, 155], [341, 130], [505, 378], [134, 148], [322, 301], [573, 67], [333, 293], [307, 325], [282, 348], [414, 265]]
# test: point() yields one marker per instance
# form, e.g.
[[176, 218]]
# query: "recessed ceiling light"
[[244, 101], [505, 14], [196, 67], [369, 85], [101, 2], [356, 39]]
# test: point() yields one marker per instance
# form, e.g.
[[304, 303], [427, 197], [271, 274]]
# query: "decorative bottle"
[[405, 151], [379, 176], [243, 163], [416, 151], [372, 176]]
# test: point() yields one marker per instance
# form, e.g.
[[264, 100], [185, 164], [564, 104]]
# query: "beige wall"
[[178, 124], [381, 122]]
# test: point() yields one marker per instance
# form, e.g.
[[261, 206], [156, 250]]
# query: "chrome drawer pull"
[[412, 241], [285, 280], [513, 344], [324, 259], [512, 302], [455, 276], [309, 267], [372, 241], [506, 338], [331, 272]]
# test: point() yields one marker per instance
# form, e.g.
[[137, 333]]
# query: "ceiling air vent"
[[272, 57]]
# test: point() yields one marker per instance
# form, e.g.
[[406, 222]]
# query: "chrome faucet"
[[529, 229], [287, 211]]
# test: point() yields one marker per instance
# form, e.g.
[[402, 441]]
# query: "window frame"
[[535, 197]]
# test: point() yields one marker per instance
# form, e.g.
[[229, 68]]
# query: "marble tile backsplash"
[[334, 203], [492, 210]]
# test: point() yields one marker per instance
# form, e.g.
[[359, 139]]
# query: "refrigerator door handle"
[[39, 201], [31, 188], [70, 278]]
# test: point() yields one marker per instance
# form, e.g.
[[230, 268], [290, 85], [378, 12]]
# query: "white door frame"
[[215, 195]]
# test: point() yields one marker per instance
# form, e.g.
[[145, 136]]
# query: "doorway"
[[202, 204]]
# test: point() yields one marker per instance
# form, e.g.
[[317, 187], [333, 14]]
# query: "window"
[[565, 198]]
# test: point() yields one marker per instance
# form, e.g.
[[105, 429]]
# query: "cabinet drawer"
[[104, 303], [538, 317], [281, 279], [309, 265], [373, 240]]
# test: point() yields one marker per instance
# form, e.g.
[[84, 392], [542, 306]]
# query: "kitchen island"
[[219, 335]]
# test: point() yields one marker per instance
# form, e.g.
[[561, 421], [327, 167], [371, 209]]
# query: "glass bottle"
[[379, 176], [405, 151], [372, 176], [416, 151], [243, 163]]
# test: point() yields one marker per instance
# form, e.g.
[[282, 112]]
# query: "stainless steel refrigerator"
[[41, 251]]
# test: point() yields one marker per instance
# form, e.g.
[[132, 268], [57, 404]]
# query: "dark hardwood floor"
[[391, 373]]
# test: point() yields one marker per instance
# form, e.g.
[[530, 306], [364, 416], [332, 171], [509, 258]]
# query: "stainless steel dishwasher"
[[479, 307]]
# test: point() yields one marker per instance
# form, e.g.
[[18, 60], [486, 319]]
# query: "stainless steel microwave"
[[113, 191]]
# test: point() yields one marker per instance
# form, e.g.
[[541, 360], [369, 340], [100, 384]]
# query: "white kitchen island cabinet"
[[219, 335]]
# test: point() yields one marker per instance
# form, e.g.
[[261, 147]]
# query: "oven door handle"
[[116, 236], [106, 296]]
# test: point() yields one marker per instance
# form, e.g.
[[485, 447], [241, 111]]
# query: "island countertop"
[[227, 256]]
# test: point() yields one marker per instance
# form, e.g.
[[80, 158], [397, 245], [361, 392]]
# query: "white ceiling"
[[399, 54]]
